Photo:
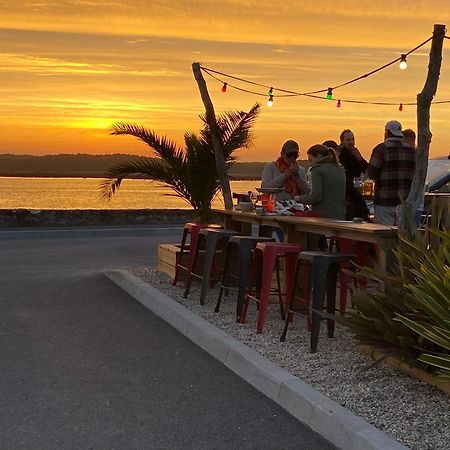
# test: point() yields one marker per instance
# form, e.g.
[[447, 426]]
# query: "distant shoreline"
[[97, 166], [21, 175]]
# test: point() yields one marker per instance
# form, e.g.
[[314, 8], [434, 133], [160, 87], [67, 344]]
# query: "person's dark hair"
[[341, 136], [332, 144], [409, 134], [321, 150], [290, 147]]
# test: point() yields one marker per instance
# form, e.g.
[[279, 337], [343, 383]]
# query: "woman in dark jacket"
[[328, 189], [328, 183]]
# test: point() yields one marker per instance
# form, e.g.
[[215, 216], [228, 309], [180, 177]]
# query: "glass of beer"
[[368, 188]]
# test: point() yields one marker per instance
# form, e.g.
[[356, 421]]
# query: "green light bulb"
[[330, 94]]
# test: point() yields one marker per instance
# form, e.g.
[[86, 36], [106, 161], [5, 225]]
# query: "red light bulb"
[[338, 104], [224, 87], [400, 108]]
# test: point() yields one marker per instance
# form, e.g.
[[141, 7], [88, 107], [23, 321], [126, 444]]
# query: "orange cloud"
[[68, 68]]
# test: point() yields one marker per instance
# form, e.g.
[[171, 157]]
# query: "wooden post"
[[216, 142], [407, 225]]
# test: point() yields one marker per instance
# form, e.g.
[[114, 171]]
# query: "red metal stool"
[[360, 250], [192, 229], [269, 253]]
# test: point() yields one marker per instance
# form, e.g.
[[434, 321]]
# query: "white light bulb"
[[269, 102], [403, 64]]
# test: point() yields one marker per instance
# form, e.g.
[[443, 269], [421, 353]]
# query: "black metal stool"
[[324, 268], [239, 250], [210, 239]]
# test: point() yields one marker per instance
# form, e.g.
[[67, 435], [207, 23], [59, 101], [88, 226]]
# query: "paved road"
[[84, 366]]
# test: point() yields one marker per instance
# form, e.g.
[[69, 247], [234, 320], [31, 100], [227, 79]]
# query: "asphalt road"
[[84, 366]]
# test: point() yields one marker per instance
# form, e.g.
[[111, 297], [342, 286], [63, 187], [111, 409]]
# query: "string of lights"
[[270, 94], [221, 76]]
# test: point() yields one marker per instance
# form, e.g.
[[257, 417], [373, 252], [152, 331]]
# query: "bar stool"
[[269, 253], [324, 268], [239, 250], [192, 229], [210, 238], [360, 250]]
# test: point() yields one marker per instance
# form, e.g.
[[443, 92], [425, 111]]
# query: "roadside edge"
[[338, 425]]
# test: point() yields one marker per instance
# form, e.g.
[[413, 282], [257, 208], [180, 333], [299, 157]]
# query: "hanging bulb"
[[224, 87], [270, 94], [403, 64], [330, 94], [400, 108], [338, 104]]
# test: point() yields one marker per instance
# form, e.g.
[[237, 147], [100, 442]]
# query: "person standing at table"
[[392, 167], [354, 165], [286, 173], [334, 145], [409, 140], [327, 196], [331, 144], [328, 183]]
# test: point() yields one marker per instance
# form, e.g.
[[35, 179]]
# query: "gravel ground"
[[410, 411]]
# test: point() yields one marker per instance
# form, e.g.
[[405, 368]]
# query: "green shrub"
[[409, 316]]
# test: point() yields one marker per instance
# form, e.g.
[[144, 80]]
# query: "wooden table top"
[[309, 223]]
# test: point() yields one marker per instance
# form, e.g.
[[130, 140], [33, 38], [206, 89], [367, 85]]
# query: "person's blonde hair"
[[321, 150]]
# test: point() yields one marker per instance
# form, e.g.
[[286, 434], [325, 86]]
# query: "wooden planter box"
[[413, 372], [169, 255]]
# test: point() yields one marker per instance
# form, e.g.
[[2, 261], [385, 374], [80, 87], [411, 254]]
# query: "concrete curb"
[[335, 423], [89, 232]]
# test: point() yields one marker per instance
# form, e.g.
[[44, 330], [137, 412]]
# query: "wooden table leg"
[[242, 228], [386, 257]]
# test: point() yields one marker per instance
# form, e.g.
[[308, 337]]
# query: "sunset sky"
[[71, 68]]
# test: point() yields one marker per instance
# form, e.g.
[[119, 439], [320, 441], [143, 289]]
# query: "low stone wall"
[[95, 217]]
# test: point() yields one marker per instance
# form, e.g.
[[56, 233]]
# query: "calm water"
[[83, 193]]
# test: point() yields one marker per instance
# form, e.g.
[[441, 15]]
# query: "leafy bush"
[[410, 315]]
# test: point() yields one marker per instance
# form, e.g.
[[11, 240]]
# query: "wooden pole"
[[407, 225], [216, 141]]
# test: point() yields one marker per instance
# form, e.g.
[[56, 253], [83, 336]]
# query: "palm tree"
[[191, 172]]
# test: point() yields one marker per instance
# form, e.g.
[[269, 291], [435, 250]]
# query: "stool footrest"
[[325, 315]]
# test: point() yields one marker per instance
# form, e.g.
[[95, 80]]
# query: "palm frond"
[[237, 127], [162, 146], [234, 129], [201, 172], [147, 168]]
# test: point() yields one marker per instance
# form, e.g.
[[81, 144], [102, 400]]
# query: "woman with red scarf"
[[286, 173]]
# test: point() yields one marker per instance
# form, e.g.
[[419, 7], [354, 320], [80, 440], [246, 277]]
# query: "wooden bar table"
[[297, 229]]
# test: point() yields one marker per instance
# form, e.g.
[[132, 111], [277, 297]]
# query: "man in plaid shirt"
[[392, 167]]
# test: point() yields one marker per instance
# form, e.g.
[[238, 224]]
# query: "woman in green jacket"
[[328, 183]]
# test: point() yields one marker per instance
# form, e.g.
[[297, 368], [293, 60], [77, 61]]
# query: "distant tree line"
[[84, 165], [95, 166], [63, 165]]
